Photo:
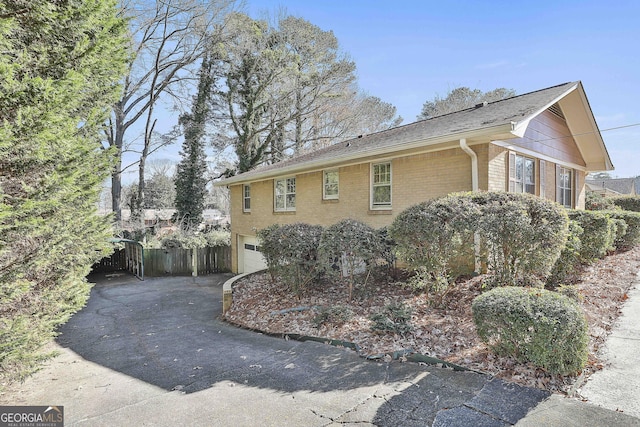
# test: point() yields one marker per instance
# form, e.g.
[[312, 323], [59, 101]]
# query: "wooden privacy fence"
[[169, 262], [184, 262]]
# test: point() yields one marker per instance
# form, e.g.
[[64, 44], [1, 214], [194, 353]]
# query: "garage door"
[[252, 257]]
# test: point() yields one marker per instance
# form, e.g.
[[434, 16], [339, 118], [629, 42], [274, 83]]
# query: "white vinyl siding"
[[330, 187], [381, 186], [284, 194]]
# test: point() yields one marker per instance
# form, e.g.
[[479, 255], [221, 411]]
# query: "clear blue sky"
[[406, 52]]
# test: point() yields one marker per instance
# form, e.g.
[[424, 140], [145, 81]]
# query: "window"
[[246, 199], [381, 186], [564, 186], [522, 174], [330, 186], [285, 194]]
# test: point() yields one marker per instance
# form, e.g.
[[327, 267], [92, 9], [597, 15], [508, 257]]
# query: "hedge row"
[[519, 237], [299, 254]]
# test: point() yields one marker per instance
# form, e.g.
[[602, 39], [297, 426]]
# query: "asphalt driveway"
[[160, 344]]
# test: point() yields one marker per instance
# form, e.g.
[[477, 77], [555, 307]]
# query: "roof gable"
[[502, 119]]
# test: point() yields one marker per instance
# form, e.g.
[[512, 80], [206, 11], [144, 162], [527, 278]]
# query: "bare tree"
[[167, 38], [461, 98]]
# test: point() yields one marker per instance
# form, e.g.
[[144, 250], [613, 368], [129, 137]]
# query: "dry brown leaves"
[[446, 333]]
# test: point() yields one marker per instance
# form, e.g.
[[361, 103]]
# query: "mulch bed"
[[446, 331]]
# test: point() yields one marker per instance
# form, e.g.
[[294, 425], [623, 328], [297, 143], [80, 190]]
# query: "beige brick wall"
[[414, 179]]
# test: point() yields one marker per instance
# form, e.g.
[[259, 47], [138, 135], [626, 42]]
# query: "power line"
[[586, 133]]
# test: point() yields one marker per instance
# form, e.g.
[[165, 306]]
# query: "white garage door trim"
[[252, 259]]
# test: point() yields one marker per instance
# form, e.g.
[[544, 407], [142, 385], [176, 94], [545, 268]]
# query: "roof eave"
[[385, 151]]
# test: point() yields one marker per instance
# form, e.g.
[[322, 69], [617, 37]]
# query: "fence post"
[[194, 262]]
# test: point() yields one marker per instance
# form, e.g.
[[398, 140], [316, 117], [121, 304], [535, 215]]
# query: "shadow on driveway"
[[167, 332]]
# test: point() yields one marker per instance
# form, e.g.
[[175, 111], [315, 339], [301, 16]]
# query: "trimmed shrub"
[[291, 253], [599, 234], [349, 248], [394, 318], [631, 236], [435, 238], [523, 234], [533, 325], [597, 202], [566, 266], [627, 203]]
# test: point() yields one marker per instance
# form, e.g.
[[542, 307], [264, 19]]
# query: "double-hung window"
[[564, 186], [330, 185], [381, 186], [285, 194], [522, 174], [246, 198]]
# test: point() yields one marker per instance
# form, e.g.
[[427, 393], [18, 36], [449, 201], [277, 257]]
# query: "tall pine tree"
[[60, 64], [191, 180]]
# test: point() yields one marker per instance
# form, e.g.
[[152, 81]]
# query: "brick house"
[[543, 143]]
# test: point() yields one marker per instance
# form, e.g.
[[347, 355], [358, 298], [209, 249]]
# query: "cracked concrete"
[[154, 353]]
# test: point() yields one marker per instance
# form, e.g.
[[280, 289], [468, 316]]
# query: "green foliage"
[[336, 314], [394, 318], [189, 240], [599, 233], [566, 265], [627, 203], [631, 236], [291, 252], [570, 291], [533, 325], [597, 202], [349, 248], [523, 235], [59, 64], [191, 172], [435, 238]]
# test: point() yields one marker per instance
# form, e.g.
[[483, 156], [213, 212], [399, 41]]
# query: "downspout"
[[474, 163], [475, 188]]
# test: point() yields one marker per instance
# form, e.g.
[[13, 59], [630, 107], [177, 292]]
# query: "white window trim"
[[244, 198], [371, 169], [572, 183], [326, 196], [511, 168], [286, 208]]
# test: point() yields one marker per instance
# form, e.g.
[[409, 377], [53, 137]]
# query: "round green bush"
[[523, 236], [631, 237], [599, 233], [533, 325]]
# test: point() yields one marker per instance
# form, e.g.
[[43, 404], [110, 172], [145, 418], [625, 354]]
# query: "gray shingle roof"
[[619, 185], [504, 112]]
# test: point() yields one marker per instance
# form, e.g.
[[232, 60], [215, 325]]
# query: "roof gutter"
[[324, 163], [474, 163]]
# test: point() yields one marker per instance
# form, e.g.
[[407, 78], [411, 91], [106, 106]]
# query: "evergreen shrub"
[[523, 237], [599, 233], [631, 237], [533, 325], [566, 266], [291, 253], [627, 203], [435, 239], [349, 249]]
